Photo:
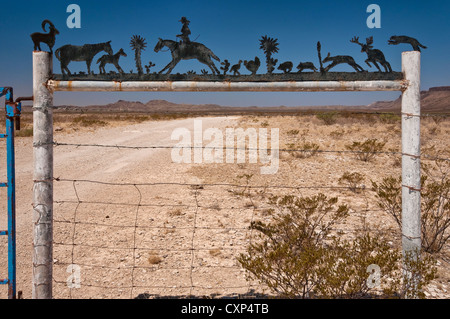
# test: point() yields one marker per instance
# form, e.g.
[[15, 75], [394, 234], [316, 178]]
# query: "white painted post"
[[43, 176], [411, 226]]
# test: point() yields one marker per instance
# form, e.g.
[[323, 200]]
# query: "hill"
[[435, 100]]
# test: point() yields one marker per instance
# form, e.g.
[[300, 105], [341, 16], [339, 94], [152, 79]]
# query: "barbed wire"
[[191, 248], [288, 150], [190, 225]]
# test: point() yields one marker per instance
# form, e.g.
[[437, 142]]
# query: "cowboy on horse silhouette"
[[186, 50], [185, 31]]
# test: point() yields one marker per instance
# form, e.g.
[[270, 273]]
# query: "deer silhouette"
[[373, 55]]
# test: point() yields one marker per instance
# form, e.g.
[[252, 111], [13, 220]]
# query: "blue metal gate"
[[13, 110]]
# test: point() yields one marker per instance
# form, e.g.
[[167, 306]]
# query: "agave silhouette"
[[138, 44], [269, 46]]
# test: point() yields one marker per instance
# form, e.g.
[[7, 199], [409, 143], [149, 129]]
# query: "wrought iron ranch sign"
[[252, 74], [246, 69]]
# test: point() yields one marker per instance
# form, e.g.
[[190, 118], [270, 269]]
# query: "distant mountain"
[[436, 99]]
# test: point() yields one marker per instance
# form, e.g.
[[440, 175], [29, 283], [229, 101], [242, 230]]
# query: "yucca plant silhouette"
[[269, 46], [138, 44]]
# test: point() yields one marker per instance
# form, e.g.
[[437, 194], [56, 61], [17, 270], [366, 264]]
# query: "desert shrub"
[[337, 134], [390, 118], [366, 151], [304, 150], [287, 258], [352, 180], [88, 121], [293, 132], [295, 257], [435, 206], [328, 118], [24, 132]]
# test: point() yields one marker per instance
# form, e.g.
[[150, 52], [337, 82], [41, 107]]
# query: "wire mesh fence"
[[144, 243], [125, 239]]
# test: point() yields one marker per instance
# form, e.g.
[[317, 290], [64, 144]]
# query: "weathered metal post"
[[411, 226], [43, 176]]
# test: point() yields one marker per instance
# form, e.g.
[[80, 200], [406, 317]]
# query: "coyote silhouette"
[[338, 59], [397, 39]]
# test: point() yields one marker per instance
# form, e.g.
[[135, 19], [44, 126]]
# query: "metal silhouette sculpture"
[[373, 55], [185, 31], [397, 39], [335, 60], [235, 68], [286, 67], [253, 65], [225, 67], [149, 66], [306, 65], [48, 38], [269, 46], [187, 51], [111, 59], [339, 59], [87, 52], [319, 49], [138, 45]]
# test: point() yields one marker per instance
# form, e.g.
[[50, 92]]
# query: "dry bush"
[[328, 118], [352, 180], [366, 151], [435, 203], [304, 150]]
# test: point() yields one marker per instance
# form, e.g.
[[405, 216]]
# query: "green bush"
[[295, 256]]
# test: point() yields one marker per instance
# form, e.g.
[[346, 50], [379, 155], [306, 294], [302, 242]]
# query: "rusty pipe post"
[[42, 176]]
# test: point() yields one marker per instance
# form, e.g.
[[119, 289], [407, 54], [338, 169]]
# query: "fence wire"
[[200, 271], [167, 247]]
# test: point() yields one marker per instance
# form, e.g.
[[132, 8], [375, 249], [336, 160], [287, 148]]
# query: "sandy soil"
[[153, 232]]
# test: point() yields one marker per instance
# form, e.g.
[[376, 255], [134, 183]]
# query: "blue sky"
[[232, 30]]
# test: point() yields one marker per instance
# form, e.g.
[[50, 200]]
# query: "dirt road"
[[96, 164]]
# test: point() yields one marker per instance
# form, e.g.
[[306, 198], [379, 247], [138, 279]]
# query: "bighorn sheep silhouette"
[[48, 38]]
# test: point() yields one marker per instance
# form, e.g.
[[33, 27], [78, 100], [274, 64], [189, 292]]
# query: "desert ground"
[[136, 224]]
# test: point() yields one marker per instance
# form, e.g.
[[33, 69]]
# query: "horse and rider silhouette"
[[187, 50]]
